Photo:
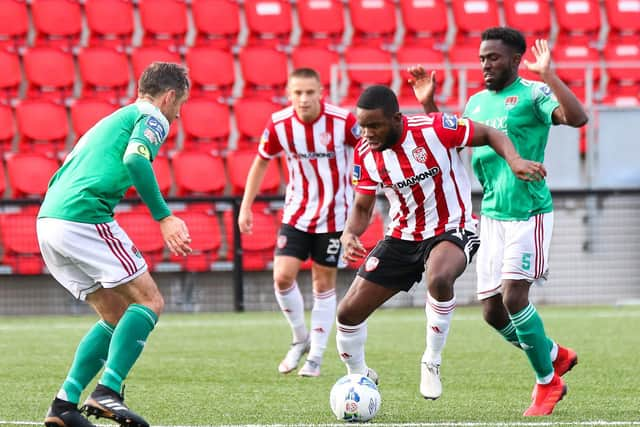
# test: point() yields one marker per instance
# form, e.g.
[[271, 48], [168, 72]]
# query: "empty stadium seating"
[[190, 166], [205, 125], [206, 241], [473, 17], [50, 73], [532, 17], [578, 21], [251, 118], [321, 23], [43, 127], [20, 242], [239, 163], [269, 22], [29, 174], [211, 71], [425, 22], [87, 112], [110, 23], [374, 22], [265, 72], [257, 253], [58, 23], [10, 78], [363, 70], [105, 74], [217, 23], [7, 130], [164, 22], [15, 24]]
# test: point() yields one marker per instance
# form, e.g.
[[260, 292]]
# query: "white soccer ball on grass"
[[355, 398]]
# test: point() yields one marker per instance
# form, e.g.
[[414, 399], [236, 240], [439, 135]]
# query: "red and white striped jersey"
[[319, 193], [422, 176]]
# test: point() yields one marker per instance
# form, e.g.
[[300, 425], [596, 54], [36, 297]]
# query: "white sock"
[[292, 306], [350, 342], [322, 316], [439, 314]]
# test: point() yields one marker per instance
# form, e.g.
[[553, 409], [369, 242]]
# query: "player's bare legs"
[[323, 315], [362, 299], [142, 304], [445, 264], [289, 298]]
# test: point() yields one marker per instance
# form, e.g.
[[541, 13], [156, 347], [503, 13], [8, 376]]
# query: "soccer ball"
[[354, 398]]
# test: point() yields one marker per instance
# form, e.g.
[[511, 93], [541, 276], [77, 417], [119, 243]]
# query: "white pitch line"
[[237, 321], [443, 424]]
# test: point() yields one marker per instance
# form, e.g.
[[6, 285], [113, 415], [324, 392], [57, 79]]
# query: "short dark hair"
[[305, 73], [160, 77], [379, 96], [509, 36]]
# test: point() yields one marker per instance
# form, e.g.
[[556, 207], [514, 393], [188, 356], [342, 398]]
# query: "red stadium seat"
[[267, 82], [211, 71], [364, 13], [251, 118], [319, 58], [29, 174], [58, 23], [164, 22], [43, 127], [432, 59], [15, 25], [144, 233], [472, 17], [87, 112], [143, 56], [110, 23], [238, 165], [370, 238], [623, 88], [7, 129], [465, 57], [624, 20], [50, 73], [206, 240], [269, 22], [258, 247], [371, 63], [10, 77], [577, 55], [3, 180], [206, 126], [578, 21], [198, 174], [217, 22], [321, 22], [531, 17], [425, 22], [20, 241], [105, 74]]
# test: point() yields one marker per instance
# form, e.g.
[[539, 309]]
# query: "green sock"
[[509, 334], [91, 355], [127, 343], [533, 340]]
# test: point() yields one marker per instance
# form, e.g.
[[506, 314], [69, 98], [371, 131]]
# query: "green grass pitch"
[[221, 369]]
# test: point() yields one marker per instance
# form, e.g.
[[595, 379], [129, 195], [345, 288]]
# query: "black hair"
[[160, 77], [509, 36], [378, 96]]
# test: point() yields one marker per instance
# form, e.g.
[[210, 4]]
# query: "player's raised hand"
[[352, 249], [245, 221], [423, 83], [528, 170], [176, 235], [542, 53]]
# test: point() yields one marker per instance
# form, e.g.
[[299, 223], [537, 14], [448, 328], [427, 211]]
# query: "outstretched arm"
[[570, 111], [424, 87], [526, 170]]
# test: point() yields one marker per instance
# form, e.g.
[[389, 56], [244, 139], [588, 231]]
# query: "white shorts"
[[86, 257], [516, 250]]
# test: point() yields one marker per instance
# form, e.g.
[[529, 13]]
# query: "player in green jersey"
[[516, 216], [94, 259]]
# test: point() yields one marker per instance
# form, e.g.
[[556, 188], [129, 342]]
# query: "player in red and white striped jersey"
[[317, 139], [415, 162]]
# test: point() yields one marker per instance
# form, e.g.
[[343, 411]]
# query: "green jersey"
[[523, 111], [94, 177]]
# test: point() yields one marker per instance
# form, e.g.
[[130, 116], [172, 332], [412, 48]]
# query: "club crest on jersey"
[[449, 122], [282, 241], [420, 154], [510, 102], [371, 264], [324, 138], [356, 175]]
